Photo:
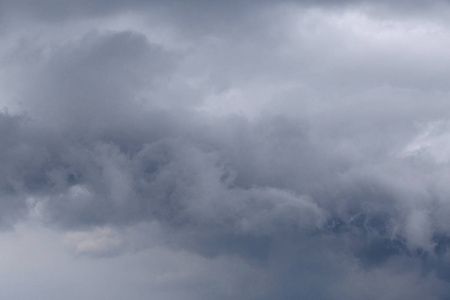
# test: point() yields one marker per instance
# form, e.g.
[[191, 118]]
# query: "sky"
[[268, 150]]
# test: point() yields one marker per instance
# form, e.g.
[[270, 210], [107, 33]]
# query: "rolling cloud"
[[224, 150]]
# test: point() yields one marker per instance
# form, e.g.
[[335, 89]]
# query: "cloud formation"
[[226, 150]]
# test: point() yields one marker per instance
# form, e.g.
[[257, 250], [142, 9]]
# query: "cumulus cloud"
[[226, 150]]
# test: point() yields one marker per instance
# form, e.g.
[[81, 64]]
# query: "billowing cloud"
[[289, 150]]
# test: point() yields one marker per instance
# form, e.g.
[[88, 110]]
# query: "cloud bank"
[[222, 150]]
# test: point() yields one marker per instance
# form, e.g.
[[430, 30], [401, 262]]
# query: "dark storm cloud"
[[198, 11], [298, 143]]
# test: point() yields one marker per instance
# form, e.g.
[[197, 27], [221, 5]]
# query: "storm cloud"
[[224, 150]]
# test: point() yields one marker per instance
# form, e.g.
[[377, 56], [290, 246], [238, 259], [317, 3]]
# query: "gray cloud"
[[273, 151]]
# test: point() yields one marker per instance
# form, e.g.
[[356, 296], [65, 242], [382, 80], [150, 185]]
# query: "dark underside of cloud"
[[305, 141]]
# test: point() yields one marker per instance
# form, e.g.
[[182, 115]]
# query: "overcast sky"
[[199, 150]]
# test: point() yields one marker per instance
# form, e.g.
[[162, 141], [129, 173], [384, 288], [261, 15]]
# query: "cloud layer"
[[294, 150]]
